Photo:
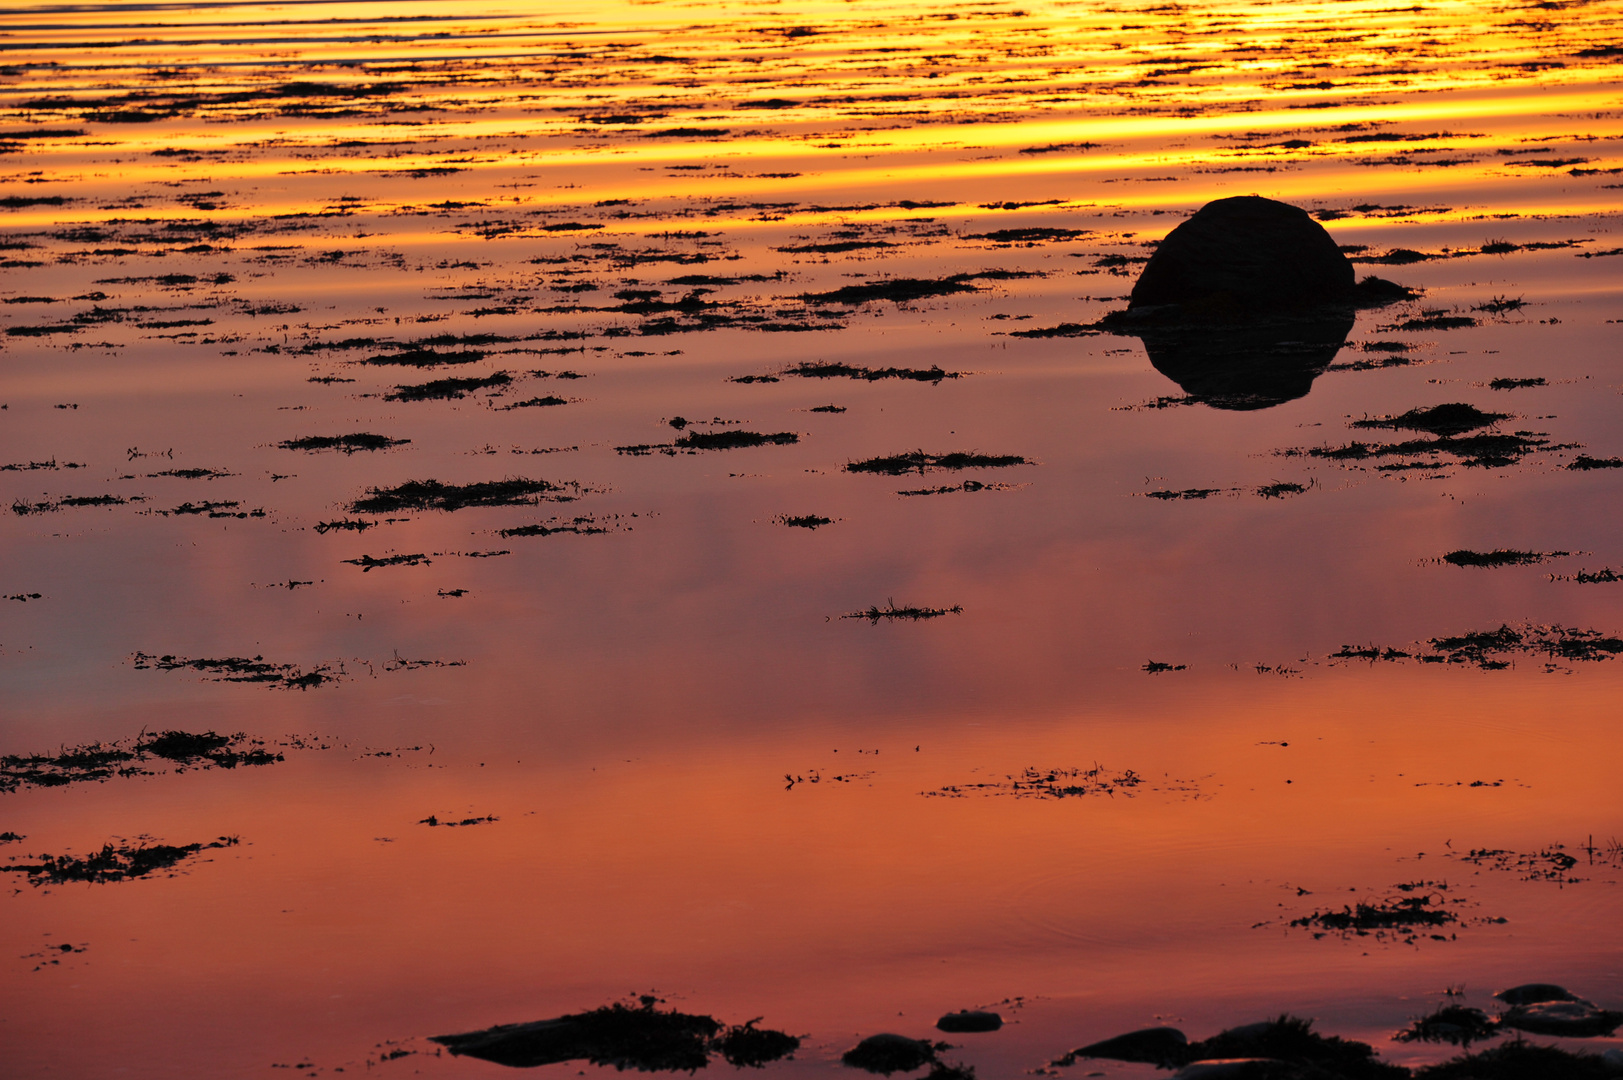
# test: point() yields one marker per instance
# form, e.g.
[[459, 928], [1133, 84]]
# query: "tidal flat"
[[469, 600]]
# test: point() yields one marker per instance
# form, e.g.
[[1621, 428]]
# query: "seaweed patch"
[[244, 669], [122, 861], [921, 461]]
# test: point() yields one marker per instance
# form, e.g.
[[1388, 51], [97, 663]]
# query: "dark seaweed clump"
[[1184, 493], [1498, 557], [582, 526], [1488, 649], [906, 611], [733, 439], [114, 862], [803, 521], [1520, 1061], [1400, 917], [1458, 430], [726, 439], [243, 669], [967, 485], [920, 461], [829, 369], [421, 358], [1459, 1025], [208, 747], [369, 562], [639, 1037], [1052, 784], [896, 290], [447, 389], [348, 444], [102, 761], [434, 495], [1454, 418]]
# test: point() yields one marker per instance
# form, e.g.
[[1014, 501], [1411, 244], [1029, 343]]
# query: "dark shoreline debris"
[[1486, 649], [103, 761], [347, 444], [1401, 917], [448, 389], [114, 862], [828, 369], [909, 612], [639, 1037], [1459, 1025], [1033, 783], [434, 495], [1499, 557], [243, 669], [921, 461], [1453, 418]]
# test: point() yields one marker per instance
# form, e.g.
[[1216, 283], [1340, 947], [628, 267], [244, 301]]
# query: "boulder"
[[1243, 256], [968, 1021], [1533, 993], [890, 1053], [1578, 1019], [1163, 1046]]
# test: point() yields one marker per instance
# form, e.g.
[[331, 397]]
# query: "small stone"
[[969, 1020]]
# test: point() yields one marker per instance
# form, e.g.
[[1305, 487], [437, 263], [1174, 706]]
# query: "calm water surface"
[[625, 227]]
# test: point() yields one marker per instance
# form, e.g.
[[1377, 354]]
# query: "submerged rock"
[[1239, 1069], [890, 1053], [1246, 254], [1163, 1046], [1578, 1019], [969, 1020], [1292, 1041], [626, 1037], [1533, 993]]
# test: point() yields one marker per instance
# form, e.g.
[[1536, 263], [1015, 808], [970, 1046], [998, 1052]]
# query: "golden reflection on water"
[[213, 214]]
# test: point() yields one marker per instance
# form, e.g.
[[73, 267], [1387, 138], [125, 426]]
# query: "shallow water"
[[707, 782]]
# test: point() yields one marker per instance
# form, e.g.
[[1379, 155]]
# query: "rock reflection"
[[1250, 365]]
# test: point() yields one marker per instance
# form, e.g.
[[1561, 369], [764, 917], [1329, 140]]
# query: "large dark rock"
[[1246, 303], [1246, 255]]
